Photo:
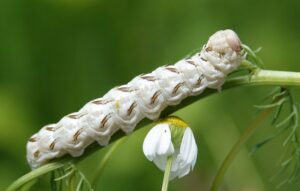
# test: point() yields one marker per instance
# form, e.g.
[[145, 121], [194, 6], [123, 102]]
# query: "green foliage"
[[286, 124], [252, 61], [69, 177]]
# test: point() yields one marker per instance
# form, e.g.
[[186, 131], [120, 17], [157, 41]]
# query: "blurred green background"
[[55, 55]]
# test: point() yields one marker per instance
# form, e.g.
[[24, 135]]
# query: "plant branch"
[[259, 77]]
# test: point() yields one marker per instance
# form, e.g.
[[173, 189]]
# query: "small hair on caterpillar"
[[145, 96]]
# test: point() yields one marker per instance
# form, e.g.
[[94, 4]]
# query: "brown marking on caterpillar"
[[125, 89], [58, 126], [76, 135], [130, 109], [32, 139], [148, 77], [104, 120], [200, 79], [208, 49], [172, 69], [101, 101], [36, 154], [76, 116], [177, 87], [191, 62], [50, 128], [155, 96], [221, 54], [203, 59], [52, 145]]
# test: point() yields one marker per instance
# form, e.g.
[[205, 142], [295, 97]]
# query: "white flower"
[[172, 138]]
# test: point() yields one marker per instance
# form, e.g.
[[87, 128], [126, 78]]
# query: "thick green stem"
[[269, 77], [260, 77], [167, 174]]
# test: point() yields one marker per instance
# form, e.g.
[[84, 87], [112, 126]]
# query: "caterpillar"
[[145, 96]]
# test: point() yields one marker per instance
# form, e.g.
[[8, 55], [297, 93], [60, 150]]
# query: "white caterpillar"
[[145, 96]]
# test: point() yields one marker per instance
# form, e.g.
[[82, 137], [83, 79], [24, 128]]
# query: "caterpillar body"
[[145, 96]]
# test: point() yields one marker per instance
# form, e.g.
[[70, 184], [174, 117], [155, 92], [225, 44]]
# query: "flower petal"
[[173, 175], [188, 153], [164, 146], [150, 142], [181, 171], [160, 162], [184, 171], [192, 158], [185, 144]]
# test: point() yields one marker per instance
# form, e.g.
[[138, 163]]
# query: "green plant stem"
[[34, 174], [259, 77], [104, 161], [236, 148], [72, 183], [167, 174], [28, 185]]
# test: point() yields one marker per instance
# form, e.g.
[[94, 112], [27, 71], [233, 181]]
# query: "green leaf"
[[286, 120], [271, 105]]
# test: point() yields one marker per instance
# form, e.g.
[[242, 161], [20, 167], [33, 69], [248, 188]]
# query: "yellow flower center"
[[173, 120]]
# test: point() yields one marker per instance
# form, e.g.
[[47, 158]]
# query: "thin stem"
[[72, 183], [28, 185], [167, 174], [260, 77], [34, 174], [236, 148], [104, 161]]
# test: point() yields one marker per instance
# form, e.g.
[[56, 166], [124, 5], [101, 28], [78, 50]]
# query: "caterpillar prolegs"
[[145, 96]]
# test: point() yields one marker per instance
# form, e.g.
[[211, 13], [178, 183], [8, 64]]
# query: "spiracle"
[[145, 96]]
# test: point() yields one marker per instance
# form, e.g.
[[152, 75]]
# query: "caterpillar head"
[[224, 51], [224, 41]]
